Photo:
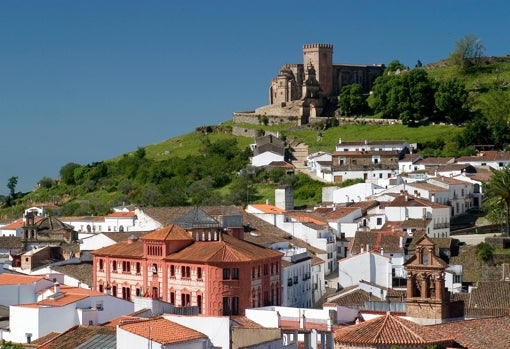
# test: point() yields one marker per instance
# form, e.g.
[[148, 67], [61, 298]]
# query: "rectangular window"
[[226, 273], [226, 306], [235, 305], [199, 273], [235, 273]]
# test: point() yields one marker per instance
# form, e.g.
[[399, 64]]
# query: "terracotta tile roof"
[[18, 223], [352, 297], [260, 232], [170, 232], [60, 302], [486, 156], [448, 180], [339, 212], [412, 201], [311, 217], [121, 215], [411, 157], [427, 186], [228, 249], [389, 330], [14, 279], [455, 167], [162, 331], [81, 272], [69, 294], [82, 219], [432, 161], [243, 321], [480, 176], [389, 241], [10, 242], [121, 249], [366, 205], [483, 333], [488, 298], [265, 208]]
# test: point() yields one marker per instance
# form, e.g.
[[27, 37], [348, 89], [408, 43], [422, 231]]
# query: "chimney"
[[302, 321], [56, 287], [330, 324], [339, 140], [278, 318], [401, 242], [382, 251]]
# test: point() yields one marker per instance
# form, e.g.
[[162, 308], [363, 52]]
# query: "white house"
[[368, 266], [460, 193], [494, 159], [266, 158], [66, 307], [366, 145], [19, 289], [409, 163], [296, 276], [433, 217], [355, 193]]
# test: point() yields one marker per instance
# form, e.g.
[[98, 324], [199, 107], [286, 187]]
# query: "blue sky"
[[85, 81]]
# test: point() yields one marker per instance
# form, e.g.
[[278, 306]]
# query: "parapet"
[[307, 46]]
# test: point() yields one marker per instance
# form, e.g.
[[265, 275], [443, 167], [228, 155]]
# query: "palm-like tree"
[[498, 190]]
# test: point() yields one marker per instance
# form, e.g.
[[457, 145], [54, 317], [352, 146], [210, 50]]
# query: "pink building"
[[203, 265]]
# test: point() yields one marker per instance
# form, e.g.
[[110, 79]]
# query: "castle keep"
[[311, 89]]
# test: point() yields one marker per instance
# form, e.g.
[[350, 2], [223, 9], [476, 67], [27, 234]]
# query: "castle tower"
[[321, 57], [427, 299]]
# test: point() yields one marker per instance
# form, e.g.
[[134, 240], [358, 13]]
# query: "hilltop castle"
[[310, 90]]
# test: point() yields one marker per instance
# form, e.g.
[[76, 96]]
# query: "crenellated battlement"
[[312, 46]]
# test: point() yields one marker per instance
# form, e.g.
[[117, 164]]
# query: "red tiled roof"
[[15, 279], [412, 201], [121, 215], [489, 155], [389, 330], [162, 331], [18, 223], [484, 333], [170, 232], [228, 249], [265, 208]]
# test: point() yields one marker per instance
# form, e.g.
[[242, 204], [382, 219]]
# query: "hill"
[[209, 165]]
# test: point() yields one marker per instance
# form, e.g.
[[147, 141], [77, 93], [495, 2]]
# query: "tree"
[[468, 52], [483, 251], [46, 182], [498, 190], [496, 212], [451, 100], [67, 173], [351, 100], [10, 345], [12, 182]]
